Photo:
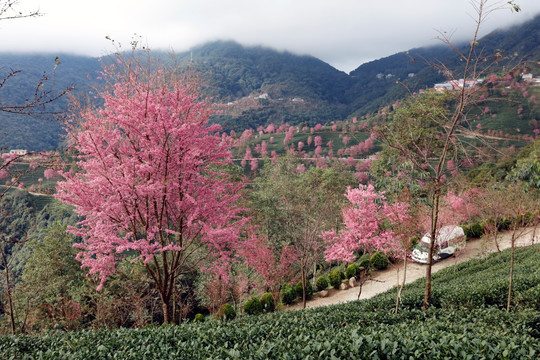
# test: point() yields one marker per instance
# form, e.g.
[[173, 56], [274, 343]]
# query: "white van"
[[447, 241]]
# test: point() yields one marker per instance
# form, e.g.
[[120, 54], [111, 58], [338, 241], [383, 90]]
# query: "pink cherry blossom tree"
[[370, 224], [149, 179], [274, 267], [362, 231], [402, 221]]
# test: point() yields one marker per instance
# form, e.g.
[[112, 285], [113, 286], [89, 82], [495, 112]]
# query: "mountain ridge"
[[280, 86]]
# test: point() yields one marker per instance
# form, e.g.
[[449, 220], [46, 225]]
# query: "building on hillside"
[[527, 77], [18, 152], [456, 84]]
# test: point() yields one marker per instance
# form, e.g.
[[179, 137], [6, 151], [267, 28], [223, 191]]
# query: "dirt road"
[[385, 280]]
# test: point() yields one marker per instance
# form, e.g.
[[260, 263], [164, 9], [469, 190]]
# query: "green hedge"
[[288, 294], [473, 231], [335, 278], [379, 261], [322, 283], [352, 270], [300, 290], [267, 302], [226, 312], [253, 306]]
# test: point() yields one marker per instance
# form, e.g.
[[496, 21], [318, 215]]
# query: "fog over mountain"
[[260, 83], [343, 33]]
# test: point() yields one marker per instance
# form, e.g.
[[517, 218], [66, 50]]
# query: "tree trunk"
[[166, 305], [434, 220], [508, 302], [304, 287], [398, 299], [8, 293], [361, 282]]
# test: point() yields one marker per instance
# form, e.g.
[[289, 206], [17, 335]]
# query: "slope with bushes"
[[465, 321]]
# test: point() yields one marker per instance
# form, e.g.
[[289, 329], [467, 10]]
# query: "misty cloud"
[[344, 33]]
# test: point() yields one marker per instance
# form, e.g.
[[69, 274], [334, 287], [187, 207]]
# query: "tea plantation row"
[[458, 325]]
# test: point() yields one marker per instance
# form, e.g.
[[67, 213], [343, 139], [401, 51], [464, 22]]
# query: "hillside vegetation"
[[465, 321]]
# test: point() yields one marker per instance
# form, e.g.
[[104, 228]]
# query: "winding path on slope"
[[382, 281]]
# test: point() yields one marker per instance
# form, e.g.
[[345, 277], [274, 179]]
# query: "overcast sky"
[[343, 33]]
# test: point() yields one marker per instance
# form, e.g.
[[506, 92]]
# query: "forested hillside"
[[254, 86], [59, 71]]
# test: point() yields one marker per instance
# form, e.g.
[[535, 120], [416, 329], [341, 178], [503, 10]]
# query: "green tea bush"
[[253, 306], [352, 270], [321, 283], [288, 294], [268, 303], [199, 318], [452, 328], [379, 261], [335, 278], [226, 312]]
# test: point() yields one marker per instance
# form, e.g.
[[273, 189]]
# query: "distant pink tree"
[[288, 136], [247, 156], [368, 144], [362, 177], [282, 128], [264, 149], [461, 207], [318, 141], [318, 127], [362, 231], [50, 173], [274, 267], [257, 148], [246, 136], [149, 182]]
